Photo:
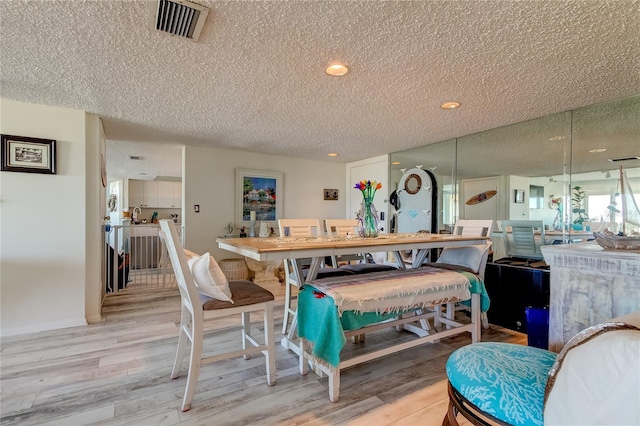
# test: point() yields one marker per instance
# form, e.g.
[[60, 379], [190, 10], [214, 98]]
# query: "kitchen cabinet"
[[136, 193], [177, 195], [150, 194], [155, 194], [169, 194]]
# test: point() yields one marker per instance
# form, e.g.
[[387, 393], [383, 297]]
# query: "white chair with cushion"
[[299, 228], [340, 227], [205, 293], [470, 227], [343, 227], [473, 227]]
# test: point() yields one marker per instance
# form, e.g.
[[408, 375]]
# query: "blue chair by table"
[[521, 241]]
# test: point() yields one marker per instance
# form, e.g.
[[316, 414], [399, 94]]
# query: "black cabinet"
[[511, 290]]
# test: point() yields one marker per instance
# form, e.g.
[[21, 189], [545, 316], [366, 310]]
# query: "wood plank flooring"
[[117, 373]]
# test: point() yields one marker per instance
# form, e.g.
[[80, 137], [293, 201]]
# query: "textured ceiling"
[[255, 79]]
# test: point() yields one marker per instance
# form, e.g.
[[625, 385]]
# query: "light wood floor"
[[117, 373]]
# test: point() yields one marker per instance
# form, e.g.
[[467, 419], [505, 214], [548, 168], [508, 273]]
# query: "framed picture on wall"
[[258, 195], [30, 155], [519, 196], [330, 194]]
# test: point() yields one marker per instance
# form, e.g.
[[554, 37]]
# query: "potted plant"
[[577, 199]]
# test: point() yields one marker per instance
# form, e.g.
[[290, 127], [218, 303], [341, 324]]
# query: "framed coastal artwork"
[[258, 195], [30, 155]]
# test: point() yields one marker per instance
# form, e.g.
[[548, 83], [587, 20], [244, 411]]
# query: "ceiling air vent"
[[633, 157], [177, 17]]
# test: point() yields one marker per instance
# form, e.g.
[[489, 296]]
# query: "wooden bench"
[[400, 298]]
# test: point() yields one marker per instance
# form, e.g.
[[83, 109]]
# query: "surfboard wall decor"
[[481, 197]]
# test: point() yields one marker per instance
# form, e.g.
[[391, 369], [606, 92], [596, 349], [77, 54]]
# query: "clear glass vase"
[[368, 222]]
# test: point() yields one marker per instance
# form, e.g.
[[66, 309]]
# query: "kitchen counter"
[[144, 230]]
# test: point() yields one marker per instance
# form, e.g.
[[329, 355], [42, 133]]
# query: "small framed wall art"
[[519, 196], [30, 155], [330, 194]]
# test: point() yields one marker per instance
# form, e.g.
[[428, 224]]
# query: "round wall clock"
[[413, 184]]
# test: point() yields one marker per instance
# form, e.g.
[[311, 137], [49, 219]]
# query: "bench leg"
[[302, 361], [334, 385]]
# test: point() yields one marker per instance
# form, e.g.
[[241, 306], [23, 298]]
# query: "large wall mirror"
[[583, 148]]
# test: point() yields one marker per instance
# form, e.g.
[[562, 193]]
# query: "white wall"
[[546, 213], [518, 211], [95, 210], [209, 181], [46, 255], [488, 209], [377, 169]]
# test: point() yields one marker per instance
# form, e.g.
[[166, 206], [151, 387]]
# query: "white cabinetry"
[[177, 195], [165, 194], [169, 194], [159, 194], [150, 194], [136, 193]]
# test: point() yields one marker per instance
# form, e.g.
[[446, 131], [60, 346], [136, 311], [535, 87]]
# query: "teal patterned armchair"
[[595, 379]]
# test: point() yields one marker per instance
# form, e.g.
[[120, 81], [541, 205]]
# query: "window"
[[597, 208]]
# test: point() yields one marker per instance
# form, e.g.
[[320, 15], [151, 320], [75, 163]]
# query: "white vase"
[[263, 229]]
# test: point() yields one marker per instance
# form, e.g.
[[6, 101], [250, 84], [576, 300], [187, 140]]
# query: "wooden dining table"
[[279, 248], [567, 237], [317, 248]]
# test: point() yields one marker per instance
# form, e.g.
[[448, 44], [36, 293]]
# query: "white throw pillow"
[[595, 379], [208, 276], [469, 256]]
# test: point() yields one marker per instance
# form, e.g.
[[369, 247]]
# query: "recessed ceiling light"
[[336, 70], [556, 138], [450, 105], [332, 154], [598, 150], [395, 163]]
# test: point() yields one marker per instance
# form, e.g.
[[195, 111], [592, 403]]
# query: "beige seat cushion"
[[242, 292]]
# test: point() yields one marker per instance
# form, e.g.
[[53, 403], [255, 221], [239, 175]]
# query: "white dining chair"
[[471, 227], [356, 263], [341, 228], [344, 227], [196, 307], [299, 228]]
